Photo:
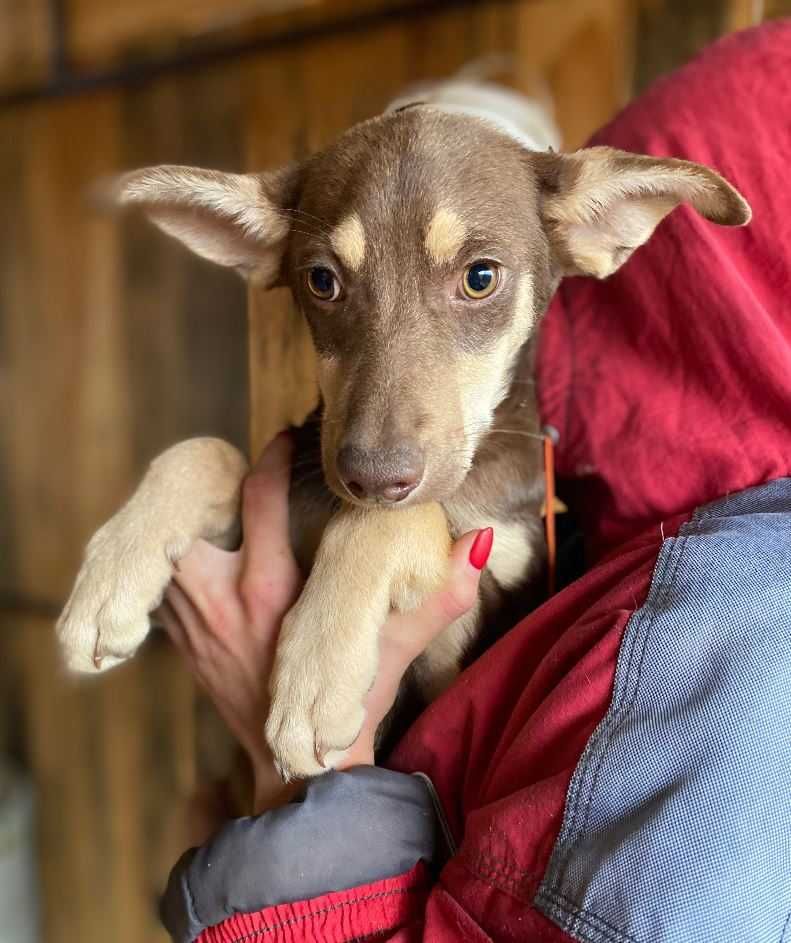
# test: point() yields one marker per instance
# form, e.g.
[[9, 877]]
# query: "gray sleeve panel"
[[350, 828]]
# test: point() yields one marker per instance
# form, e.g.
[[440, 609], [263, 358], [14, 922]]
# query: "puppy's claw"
[[282, 771], [97, 658], [320, 752]]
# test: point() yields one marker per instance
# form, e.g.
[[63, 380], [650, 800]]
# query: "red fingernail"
[[481, 548]]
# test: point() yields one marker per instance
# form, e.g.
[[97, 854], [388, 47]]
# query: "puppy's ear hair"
[[600, 204], [231, 219]]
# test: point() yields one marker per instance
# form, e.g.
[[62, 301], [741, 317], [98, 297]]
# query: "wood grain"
[[114, 344], [101, 34], [581, 55], [113, 767], [26, 43], [66, 448]]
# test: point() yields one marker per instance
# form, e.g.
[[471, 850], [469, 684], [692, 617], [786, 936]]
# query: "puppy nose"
[[389, 474]]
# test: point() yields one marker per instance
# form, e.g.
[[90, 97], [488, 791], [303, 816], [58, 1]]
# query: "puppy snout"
[[384, 475]]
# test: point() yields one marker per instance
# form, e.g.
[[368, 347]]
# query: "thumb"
[[265, 507], [459, 594]]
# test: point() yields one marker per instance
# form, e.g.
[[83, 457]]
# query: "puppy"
[[423, 248]]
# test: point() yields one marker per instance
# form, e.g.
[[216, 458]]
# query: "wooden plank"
[[671, 32], [102, 34], [581, 54], [65, 444], [69, 458], [108, 758], [98, 31], [26, 43], [742, 14], [114, 344]]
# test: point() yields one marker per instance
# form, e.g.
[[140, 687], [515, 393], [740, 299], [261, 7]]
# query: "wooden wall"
[[114, 342]]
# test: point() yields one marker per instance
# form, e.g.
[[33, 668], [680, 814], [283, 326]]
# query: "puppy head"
[[422, 247]]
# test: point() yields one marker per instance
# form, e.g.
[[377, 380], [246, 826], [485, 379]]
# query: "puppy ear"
[[600, 204], [231, 219]]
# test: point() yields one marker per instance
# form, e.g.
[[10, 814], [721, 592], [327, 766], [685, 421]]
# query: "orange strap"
[[549, 519]]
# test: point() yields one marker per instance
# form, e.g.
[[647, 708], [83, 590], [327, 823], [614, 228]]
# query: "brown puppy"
[[423, 248]]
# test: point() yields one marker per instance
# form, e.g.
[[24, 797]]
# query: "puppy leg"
[[192, 490], [327, 655]]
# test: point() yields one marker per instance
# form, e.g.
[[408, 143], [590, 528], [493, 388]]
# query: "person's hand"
[[223, 611]]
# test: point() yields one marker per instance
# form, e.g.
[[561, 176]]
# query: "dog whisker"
[[530, 435]]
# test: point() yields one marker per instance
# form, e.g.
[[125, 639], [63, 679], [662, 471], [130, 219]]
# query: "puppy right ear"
[[237, 220], [600, 204]]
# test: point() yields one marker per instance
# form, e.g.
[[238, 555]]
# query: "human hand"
[[223, 611]]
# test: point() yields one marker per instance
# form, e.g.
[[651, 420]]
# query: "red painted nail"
[[481, 548]]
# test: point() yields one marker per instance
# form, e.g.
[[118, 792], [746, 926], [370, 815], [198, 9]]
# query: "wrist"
[[269, 790], [361, 752]]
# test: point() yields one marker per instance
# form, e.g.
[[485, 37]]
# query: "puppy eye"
[[323, 283], [480, 280]]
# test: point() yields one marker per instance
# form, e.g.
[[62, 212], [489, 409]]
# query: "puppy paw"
[[122, 580], [318, 686]]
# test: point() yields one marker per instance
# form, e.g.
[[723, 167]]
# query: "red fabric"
[[669, 381], [690, 322], [500, 746], [394, 906]]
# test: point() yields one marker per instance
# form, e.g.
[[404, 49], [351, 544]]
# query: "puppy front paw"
[[122, 580], [318, 686]]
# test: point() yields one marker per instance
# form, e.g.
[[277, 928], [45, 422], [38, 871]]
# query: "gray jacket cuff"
[[349, 829]]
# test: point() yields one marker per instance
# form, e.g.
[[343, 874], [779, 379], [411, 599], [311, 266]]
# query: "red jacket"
[[669, 385]]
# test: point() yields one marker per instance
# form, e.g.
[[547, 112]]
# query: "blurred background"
[[114, 343]]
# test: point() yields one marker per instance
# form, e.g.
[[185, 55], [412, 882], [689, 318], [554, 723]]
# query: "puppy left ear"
[[600, 204], [237, 220]]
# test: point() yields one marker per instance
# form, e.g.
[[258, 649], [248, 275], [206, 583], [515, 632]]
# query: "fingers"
[[166, 617], [467, 560], [183, 622], [207, 572]]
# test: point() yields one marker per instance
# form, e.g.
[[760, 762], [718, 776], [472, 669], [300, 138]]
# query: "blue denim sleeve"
[[348, 829]]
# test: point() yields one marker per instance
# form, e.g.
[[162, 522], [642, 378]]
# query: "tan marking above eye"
[[348, 241], [444, 236]]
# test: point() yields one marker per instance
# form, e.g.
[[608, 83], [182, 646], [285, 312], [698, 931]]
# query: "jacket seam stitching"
[[450, 842], [262, 931], [567, 917], [565, 905]]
